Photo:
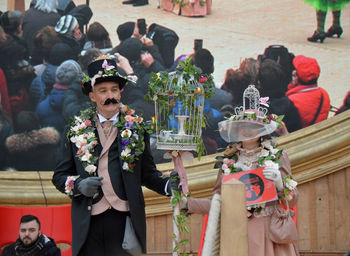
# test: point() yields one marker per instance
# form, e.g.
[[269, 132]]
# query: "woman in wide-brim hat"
[[249, 131]]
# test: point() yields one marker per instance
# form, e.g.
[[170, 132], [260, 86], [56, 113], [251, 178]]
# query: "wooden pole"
[[234, 223]]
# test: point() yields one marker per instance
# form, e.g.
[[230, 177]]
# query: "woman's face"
[[249, 130]]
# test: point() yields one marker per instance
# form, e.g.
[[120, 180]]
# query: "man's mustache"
[[109, 101]]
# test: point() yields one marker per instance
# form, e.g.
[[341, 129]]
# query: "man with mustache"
[[103, 164], [31, 241]]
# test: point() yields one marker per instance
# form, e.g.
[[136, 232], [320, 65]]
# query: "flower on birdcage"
[[203, 79], [181, 92]]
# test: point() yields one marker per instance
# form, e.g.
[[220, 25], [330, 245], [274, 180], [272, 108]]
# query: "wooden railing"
[[320, 158]]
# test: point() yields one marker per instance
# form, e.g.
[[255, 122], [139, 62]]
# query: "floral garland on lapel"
[[132, 129], [83, 134]]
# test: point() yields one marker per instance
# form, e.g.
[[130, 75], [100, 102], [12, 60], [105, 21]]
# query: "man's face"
[[77, 33], [29, 232], [102, 92]]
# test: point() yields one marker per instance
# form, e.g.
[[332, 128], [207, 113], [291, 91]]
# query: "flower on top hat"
[[102, 69], [250, 120]]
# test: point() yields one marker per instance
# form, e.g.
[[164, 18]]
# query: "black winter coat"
[[284, 106]]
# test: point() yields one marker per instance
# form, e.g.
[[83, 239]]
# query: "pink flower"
[[264, 100], [203, 80], [79, 152], [129, 118], [124, 108], [130, 112], [106, 66], [88, 123]]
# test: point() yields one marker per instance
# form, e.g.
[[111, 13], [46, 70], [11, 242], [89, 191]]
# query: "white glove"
[[275, 175]]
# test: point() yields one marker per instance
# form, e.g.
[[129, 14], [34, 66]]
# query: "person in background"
[[18, 72], [6, 130], [31, 241], [271, 84], [69, 32], [74, 99], [346, 104], [43, 42], [98, 37], [31, 147], [43, 13], [49, 110], [322, 7], [43, 83], [11, 21], [312, 101]]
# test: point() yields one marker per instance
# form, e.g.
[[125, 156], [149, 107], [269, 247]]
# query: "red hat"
[[307, 68]]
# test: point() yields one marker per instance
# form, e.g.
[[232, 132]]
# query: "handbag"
[[130, 242], [282, 227]]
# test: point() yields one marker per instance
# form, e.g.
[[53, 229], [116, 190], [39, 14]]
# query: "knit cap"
[[125, 30], [66, 24], [307, 69], [68, 72]]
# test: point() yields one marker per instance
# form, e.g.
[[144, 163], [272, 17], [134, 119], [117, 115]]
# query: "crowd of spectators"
[[44, 52]]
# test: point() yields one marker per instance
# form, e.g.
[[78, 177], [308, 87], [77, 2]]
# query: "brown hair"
[[45, 39], [250, 67]]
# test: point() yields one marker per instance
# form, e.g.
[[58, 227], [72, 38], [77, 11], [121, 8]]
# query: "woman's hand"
[[274, 175]]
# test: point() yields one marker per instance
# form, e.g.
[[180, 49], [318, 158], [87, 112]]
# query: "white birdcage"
[[179, 113], [251, 101]]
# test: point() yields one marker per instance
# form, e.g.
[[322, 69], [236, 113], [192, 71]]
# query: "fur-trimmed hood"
[[22, 142]]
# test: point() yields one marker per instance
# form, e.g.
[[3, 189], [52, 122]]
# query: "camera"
[[141, 24], [198, 44]]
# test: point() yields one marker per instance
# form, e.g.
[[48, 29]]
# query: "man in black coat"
[[31, 241], [103, 164]]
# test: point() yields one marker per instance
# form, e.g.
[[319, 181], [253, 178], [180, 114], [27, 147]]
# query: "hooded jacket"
[[39, 86], [49, 111], [307, 99]]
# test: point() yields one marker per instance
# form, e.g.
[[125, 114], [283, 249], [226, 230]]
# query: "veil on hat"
[[250, 120]]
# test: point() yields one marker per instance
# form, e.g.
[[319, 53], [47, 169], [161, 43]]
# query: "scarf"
[[32, 249]]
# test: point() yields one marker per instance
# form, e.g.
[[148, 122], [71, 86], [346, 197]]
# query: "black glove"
[[174, 182], [89, 186]]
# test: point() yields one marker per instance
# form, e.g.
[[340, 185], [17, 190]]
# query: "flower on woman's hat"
[[103, 69]]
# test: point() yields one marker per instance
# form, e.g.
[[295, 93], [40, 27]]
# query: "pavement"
[[239, 29]]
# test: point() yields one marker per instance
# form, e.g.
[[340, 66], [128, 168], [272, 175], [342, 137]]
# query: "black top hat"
[[102, 70]]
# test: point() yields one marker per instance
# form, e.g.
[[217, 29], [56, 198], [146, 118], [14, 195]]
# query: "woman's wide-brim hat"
[[250, 123], [102, 70], [243, 130]]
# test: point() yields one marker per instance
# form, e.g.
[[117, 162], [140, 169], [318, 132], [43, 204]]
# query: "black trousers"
[[105, 235]]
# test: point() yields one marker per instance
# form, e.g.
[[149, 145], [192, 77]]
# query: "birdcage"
[[179, 113], [251, 101]]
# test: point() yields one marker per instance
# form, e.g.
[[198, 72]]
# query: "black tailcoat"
[[126, 185]]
